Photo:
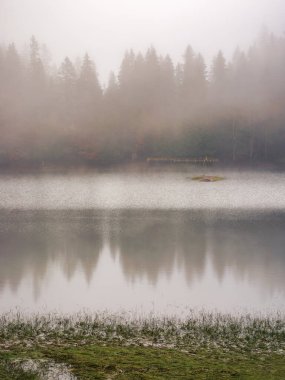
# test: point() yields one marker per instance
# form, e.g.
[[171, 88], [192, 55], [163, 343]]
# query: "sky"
[[106, 28]]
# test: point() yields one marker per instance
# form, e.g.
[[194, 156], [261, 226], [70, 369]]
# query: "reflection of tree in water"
[[81, 244], [252, 249], [191, 246], [29, 244], [23, 252], [115, 230], [149, 244], [146, 245]]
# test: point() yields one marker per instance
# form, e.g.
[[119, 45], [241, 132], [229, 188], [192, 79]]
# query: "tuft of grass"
[[8, 371], [199, 329]]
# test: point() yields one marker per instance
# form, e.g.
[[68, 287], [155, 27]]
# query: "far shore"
[[143, 165]]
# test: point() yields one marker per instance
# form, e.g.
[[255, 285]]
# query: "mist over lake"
[[146, 188]]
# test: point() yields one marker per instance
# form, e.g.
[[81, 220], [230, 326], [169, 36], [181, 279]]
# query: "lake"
[[148, 241]]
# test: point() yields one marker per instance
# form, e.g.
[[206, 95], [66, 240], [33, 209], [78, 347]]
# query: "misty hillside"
[[233, 111]]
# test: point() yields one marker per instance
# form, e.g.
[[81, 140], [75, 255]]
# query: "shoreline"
[[198, 328], [135, 166], [207, 346]]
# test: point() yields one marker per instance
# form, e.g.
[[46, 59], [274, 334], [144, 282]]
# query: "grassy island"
[[207, 178]]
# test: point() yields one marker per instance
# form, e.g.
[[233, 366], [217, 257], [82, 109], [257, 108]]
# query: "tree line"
[[231, 110]]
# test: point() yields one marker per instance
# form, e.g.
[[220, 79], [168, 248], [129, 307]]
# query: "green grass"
[[9, 372], [117, 362], [104, 346]]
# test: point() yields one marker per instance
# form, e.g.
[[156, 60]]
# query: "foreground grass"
[[117, 362], [204, 346]]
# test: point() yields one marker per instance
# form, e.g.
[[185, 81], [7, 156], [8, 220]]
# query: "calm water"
[[144, 242]]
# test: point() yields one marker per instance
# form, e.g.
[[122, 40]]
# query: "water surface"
[[148, 242]]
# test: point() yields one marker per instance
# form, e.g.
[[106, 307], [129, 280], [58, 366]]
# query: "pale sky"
[[106, 28]]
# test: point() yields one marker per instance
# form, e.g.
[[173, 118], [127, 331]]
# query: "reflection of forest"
[[149, 244], [30, 242]]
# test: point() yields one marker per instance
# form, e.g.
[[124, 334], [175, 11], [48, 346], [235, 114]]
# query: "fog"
[[198, 79], [142, 157], [105, 29]]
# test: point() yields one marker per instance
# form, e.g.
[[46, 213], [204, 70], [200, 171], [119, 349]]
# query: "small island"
[[208, 178]]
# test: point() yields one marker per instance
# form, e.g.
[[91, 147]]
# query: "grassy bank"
[[203, 346]]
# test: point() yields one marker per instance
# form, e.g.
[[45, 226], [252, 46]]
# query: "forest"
[[229, 110]]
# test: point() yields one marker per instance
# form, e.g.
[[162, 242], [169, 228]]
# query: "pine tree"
[[188, 77], [68, 77], [67, 81], [218, 73], [90, 99], [37, 72], [126, 73], [88, 83]]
